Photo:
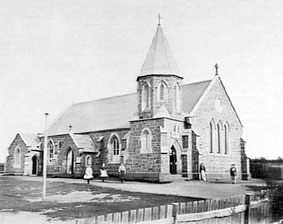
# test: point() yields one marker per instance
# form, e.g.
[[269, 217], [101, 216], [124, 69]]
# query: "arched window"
[[17, 157], [59, 145], [219, 142], [226, 138], [146, 139], [114, 149], [50, 150], [145, 97], [177, 104], [162, 92], [88, 160], [211, 135]]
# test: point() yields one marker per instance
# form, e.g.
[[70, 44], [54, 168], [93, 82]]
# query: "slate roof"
[[159, 59], [83, 142], [192, 93], [96, 115], [30, 139], [114, 112]]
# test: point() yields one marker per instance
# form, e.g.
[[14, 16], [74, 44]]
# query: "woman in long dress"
[[202, 172], [122, 172], [88, 174]]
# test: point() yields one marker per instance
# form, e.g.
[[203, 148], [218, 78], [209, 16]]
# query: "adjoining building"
[[165, 129]]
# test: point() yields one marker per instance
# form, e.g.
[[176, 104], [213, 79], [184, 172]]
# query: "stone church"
[[163, 131]]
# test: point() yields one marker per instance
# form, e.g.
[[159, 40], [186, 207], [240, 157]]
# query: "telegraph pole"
[[45, 159]]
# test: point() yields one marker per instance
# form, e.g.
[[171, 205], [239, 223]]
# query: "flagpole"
[[45, 159]]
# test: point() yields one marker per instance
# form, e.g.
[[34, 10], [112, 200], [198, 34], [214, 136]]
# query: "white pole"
[[45, 159]]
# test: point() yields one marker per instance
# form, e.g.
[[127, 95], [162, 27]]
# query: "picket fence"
[[243, 209]]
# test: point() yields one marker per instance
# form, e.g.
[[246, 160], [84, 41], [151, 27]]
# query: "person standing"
[[103, 172], [202, 172], [122, 172], [88, 174], [233, 173]]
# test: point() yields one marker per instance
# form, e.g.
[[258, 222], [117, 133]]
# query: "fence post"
[[247, 211], [175, 212]]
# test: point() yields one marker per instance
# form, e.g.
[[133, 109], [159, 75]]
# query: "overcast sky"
[[54, 53]]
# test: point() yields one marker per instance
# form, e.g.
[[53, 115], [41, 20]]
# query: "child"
[[233, 173], [88, 174], [103, 172]]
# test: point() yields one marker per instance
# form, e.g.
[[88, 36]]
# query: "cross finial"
[[216, 69], [159, 19], [70, 128]]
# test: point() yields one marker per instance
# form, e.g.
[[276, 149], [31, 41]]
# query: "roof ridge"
[[208, 80], [133, 93], [105, 98]]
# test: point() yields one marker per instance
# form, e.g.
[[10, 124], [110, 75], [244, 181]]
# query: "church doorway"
[[34, 165], [70, 162], [173, 161]]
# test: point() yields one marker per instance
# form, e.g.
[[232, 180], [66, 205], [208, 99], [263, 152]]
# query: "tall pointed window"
[[226, 138], [88, 160], [145, 97], [177, 104], [51, 150], [211, 127], [219, 142], [162, 92], [146, 139], [211, 136], [17, 157], [114, 149]]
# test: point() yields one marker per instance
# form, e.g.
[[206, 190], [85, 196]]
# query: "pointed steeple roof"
[[159, 59]]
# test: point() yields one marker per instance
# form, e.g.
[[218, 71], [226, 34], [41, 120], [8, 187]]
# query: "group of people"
[[103, 173], [233, 172], [122, 171]]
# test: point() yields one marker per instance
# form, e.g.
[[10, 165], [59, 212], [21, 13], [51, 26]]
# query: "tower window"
[[177, 91], [145, 97], [161, 91], [146, 140], [185, 140]]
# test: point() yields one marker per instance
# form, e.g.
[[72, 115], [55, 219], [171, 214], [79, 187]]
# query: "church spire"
[[159, 59]]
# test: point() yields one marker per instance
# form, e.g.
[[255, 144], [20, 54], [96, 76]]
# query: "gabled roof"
[[31, 140], [206, 91], [114, 112], [159, 59], [83, 142], [96, 115]]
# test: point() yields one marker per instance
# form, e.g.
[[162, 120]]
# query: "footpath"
[[193, 188]]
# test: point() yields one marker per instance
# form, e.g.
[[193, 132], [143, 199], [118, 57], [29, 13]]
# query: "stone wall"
[[10, 166], [144, 166], [217, 164]]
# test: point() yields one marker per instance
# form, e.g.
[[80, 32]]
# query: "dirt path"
[[195, 189]]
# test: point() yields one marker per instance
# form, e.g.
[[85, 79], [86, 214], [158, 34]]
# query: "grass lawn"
[[71, 201]]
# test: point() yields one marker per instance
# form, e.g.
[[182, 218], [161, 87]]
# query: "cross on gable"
[[216, 69]]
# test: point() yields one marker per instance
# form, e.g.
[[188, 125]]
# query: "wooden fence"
[[239, 209]]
